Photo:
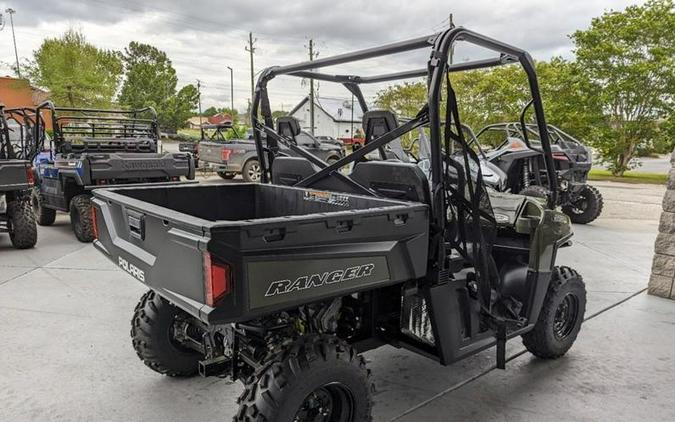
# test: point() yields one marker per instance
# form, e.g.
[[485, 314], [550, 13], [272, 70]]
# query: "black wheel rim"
[[579, 206], [332, 402], [566, 317], [254, 172]]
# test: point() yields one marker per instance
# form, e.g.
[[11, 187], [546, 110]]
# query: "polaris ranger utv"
[[283, 284], [93, 148], [517, 166], [16, 180]]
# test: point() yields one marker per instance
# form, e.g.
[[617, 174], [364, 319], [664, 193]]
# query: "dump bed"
[[282, 246], [14, 175]]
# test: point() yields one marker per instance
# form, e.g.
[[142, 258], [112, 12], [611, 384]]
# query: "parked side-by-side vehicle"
[[283, 284], [517, 165], [16, 178], [93, 148]]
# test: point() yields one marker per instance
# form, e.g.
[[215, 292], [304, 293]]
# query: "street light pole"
[[11, 12], [231, 89]]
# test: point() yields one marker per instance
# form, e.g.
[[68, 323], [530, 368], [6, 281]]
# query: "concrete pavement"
[[66, 352]]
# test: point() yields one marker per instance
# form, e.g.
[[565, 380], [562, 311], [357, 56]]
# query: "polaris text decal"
[[131, 269], [281, 287]]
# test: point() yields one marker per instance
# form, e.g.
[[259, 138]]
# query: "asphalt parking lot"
[[66, 352]]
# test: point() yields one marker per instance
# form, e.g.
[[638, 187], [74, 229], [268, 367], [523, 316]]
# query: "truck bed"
[[284, 246]]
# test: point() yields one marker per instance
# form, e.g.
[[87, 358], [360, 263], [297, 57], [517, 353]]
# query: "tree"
[[279, 113], [404, 99], [629, 59], [76, 72], [498, 95], [178, 108], [150, 78], [210, 111]]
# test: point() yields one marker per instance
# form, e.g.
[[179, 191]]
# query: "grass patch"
[[629, 177]]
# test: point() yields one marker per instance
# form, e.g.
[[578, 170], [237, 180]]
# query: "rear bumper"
[[225, 167], [139, 166]]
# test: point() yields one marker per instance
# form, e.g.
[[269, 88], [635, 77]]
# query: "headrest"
[[378, 122], [288, 126]]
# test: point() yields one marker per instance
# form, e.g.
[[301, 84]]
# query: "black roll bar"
[[437, 65]]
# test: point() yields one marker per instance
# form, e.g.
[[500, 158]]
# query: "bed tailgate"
[[153, 246]]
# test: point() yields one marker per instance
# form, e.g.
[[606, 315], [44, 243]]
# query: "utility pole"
[[199, 104], [231, 90], [251, 49], [312, 55], [11, 12]]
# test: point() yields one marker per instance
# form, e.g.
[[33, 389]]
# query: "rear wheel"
[[316, 378], [587, 207], [251, 171], [44, 216], [80, 218], [226, 175], [560, 317], [21, 224], [154, 329]]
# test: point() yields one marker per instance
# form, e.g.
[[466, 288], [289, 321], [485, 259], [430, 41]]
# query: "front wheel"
[[587, 206], [81, 218], [251, 171], [155, 329], [316, 378], [21, 224], [560, 317]]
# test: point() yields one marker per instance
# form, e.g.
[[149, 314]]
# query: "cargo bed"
[[283, 245]]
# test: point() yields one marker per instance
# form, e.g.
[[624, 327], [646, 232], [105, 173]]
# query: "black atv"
[[517, 165], [282, 284], [16, 180], [94, 148]]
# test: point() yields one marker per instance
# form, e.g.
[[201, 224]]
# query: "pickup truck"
[[238, 156]]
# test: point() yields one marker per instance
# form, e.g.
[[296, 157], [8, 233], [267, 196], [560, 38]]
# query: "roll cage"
[[437, 72], [98, 124], [29, 144]]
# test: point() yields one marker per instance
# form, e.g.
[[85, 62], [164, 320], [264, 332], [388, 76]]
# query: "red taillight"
[[217, 277], [94, 225], [30, 176], [560, 156], [225, 154]]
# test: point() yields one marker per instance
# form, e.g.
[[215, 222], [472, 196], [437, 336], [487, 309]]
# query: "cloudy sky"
[[203, 37]]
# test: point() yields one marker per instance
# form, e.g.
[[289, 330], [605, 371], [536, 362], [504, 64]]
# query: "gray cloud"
[[205, 36]]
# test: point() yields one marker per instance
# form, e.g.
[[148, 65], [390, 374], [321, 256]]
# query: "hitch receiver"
[[215, 366]]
